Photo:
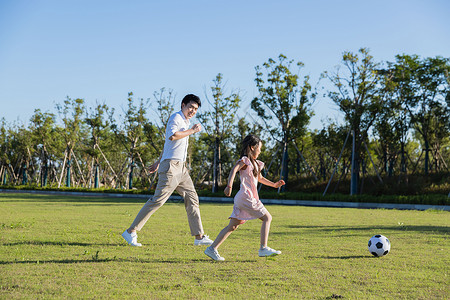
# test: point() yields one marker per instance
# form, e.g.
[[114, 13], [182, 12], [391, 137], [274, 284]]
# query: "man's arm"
[[182, 134]]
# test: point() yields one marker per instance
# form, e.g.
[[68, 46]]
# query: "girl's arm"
[[233, 172], [270, 183]]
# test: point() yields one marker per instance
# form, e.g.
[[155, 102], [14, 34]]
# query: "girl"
[[247, 205]]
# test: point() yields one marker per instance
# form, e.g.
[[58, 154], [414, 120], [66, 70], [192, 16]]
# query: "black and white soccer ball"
[[379, 245]]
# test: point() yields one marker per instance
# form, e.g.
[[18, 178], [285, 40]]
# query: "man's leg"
[[187, 190], [167, 183], [163, 191]]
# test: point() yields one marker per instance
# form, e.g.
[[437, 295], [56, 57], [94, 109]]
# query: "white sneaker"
[[131, 238], [211, 252], [204, 241], [268, 252]]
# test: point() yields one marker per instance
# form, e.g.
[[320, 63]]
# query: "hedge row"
[[426, 199]]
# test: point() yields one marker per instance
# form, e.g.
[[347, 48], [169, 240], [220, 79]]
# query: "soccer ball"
[[379, 245]]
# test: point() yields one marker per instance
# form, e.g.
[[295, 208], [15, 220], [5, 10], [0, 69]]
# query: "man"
[[173, 175]]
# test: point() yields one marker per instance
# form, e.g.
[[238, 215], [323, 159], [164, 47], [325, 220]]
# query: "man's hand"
[[153, 168], [182, 134], [197, 128]]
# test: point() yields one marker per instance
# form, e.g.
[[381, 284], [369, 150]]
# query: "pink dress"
[[247, 205]]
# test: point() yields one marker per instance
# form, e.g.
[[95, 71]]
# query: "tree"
[[131, 133], [393, 122], [440, 122], [71, 112], [327, 145], [428, 88], [42, 128], [358, 97], [5, 152], [219, 122], [100, 139], [19, 140], [283, 104], [163, 105]]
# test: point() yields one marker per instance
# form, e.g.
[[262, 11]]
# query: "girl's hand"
[[227, 191], [279, 183]]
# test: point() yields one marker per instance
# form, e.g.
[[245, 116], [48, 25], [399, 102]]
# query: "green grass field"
[[70, 247]]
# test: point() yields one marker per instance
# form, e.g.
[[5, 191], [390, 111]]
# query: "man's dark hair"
[[191, 97]]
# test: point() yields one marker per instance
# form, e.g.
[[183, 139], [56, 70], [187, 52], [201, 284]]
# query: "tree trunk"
[[130, 179], [96, 175], [284, 167], [355, 167], [403, 159], [215, 185], [68, 173], [45, 174], [427, 157], [391, 166], [24, 174]]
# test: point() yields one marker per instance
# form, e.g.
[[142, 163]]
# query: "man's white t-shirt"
[[176, 149]]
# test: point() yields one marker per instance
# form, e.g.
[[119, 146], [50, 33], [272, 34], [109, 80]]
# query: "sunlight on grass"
[[69, 247]]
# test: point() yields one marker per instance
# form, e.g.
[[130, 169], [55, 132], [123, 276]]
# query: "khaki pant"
[[173, 175]]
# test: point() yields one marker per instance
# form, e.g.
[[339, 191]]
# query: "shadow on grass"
[[56, 243], [95, 198], [56, 261], [341, 257], [124, 260], [418, 228], [82, 199]]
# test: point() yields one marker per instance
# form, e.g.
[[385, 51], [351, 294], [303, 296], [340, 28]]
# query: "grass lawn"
[[70, 247]]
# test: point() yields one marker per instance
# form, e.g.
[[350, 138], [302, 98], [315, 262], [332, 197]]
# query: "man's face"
[[189, 110]]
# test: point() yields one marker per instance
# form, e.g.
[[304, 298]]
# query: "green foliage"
[[163, 105], [283, 104], [71, 113], [421, 86], [219, 125], [400, 110], [326, 148], [218, 120], [358, 96]]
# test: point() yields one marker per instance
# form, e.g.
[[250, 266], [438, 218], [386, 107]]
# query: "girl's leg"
[[222, 236], [265, 227]]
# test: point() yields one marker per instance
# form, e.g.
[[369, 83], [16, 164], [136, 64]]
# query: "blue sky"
[[101, 50]]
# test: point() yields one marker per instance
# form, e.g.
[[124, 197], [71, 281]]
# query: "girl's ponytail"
[[249, 141]]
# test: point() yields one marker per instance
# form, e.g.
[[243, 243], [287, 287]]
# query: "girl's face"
[[255, 150]]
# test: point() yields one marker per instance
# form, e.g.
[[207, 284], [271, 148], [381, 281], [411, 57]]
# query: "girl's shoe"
[[268, 252], [211, 252]]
